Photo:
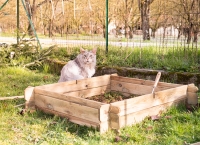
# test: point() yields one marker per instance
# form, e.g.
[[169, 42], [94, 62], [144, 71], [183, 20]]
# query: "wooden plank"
[[117, 121], [192, 88], [19, 105], [104, 112], [197, 143], [137, 107], [132, 88], [68, 108], [77, 100], [104, 127], [10, 98], [70, 118], [143, 82], [149, 100], [71, 86], [89, 92], [29, 93], [29, 97], [156, 81]]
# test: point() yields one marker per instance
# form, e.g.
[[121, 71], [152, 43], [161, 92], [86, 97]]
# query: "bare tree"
[[8, 22], [100, 15], [128, 9], [188, 10], [156, 16], [144, 7], [31, 10]]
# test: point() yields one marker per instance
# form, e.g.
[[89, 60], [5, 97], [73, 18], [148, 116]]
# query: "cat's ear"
[[94, 50], [82, 50]]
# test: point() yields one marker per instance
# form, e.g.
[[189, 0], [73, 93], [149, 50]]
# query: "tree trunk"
[[61, 31], [67, 29], [104, 31], [164, 33], [130, 32], [195, 35], [50, 28], [179, 33], [44, 29], [126, 29], [31, 9], [189, 35], [126, 19], [145, 6], [153, 33]]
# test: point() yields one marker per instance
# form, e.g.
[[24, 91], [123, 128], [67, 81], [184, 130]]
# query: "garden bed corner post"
[[29, 97], [192, 97]]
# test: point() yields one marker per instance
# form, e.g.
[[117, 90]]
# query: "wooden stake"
[[156, 81], [10, 98], [20, 105]]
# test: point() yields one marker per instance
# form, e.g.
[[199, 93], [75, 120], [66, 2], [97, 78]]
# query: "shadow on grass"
[[51, 121], [62, 123]]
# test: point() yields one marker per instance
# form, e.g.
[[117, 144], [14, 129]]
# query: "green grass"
[[15, 79], [176, 126], [170, 59], [179, 58]]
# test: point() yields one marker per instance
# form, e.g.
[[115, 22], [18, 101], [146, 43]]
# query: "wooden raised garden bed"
[[71, 100]]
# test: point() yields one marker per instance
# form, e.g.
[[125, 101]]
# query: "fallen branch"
[[10, 98], [43, 56], [20, 105], [128, 55]]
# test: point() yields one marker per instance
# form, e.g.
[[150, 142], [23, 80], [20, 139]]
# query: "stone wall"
[[170, 77]]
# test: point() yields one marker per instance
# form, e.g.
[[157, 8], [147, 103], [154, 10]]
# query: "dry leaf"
[[168, 117], [118, 139]]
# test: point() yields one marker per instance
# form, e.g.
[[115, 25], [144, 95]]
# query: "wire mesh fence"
[[120, 41]]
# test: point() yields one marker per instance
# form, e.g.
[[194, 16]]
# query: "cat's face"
[[88, 57]]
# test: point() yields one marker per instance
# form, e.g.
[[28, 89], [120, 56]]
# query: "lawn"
[[176, 126]]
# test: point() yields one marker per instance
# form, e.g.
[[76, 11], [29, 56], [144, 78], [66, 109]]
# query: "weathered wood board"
[[118, 121], [68, 99], [149, 100]]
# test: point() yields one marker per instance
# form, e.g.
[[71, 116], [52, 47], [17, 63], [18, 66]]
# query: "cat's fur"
[[83, 66]]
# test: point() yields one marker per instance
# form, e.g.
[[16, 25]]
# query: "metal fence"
[[72, 33], [120, 41]]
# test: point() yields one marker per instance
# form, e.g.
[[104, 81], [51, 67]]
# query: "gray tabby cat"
[[83, 66]]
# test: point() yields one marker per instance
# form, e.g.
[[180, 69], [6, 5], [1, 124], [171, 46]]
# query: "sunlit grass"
[[177, 126], [15, 79], [170, 59]]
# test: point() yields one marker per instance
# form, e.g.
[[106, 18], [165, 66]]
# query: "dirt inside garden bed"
[[110, 97]]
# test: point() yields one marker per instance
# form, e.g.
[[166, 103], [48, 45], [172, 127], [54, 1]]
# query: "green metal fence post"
[[17, 21], [106, 26], [30, 21], [4, 4]]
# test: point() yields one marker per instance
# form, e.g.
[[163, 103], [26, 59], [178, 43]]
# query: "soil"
[[110, 97]]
